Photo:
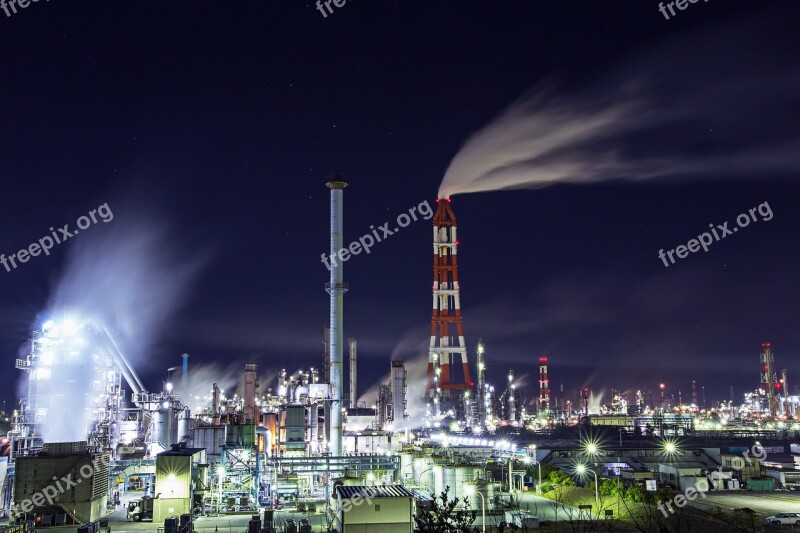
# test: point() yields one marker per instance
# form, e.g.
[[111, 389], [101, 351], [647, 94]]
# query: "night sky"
[[209, 129]]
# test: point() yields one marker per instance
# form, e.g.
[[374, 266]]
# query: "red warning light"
[[543, 359]]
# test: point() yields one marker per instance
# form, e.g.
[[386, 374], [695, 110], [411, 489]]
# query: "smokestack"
[[215, 405], [786, 404], [336, 289], [447, 334], [250, 390], [481, 384], [185, 375], [353, 373], [769, 378], [398, 391], [512, 410], [544, 386]]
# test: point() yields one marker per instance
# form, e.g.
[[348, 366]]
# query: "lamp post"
[[469, 490], [581, 469]]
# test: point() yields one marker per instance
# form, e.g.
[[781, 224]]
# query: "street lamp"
[[581, 470], [469, 490], [529, 460]]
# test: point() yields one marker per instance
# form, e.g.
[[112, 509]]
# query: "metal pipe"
[[127, 371], [336, 289]]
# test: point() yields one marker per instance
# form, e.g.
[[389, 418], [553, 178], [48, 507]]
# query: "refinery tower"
[[448, 384]]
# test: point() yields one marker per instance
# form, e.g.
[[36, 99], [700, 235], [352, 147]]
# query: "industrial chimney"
[[336, 289], [251, 408]]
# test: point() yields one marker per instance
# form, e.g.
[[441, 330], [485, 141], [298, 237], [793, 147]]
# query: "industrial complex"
[[89, 437]]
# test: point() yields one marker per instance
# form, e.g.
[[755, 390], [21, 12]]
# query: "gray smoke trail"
[[700, 107]]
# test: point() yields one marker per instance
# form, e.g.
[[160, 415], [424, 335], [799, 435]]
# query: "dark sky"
[[210, 128]]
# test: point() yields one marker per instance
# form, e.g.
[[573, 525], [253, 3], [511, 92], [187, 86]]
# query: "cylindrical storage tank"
[[450, 479], [406, 471], [438, 480], [487, 488], [165, 427], [157, 428], [184, 425]]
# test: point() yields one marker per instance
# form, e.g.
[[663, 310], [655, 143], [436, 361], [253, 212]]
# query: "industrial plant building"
[[303, 441]]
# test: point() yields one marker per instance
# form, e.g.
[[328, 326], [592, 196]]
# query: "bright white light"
[[69, 326], [165, 405], [580, 469], [169, 387], [48, 325], [220, 471], [469, 490]]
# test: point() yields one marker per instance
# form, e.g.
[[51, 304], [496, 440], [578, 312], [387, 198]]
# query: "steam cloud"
[[694, 108], [128, 276]]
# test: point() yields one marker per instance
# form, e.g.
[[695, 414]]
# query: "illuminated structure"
[[74, 386], [336, 288], [482, 408], [769, 378], [447, 335], [544, 386]]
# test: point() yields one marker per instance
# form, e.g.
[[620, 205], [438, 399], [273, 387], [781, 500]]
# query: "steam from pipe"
[[129, 277], [711, 116]]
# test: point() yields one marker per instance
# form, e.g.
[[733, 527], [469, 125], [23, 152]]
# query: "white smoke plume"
[[660, 115], [129, 276]]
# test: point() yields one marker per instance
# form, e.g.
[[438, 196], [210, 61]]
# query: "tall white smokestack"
[[353, 373], [336, 288]]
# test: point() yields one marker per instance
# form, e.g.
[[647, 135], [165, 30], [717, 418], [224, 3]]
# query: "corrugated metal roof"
[[378, 491]]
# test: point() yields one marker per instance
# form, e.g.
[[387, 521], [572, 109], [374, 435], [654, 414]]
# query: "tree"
[[444, 515], [609, 487], [557, 477]]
